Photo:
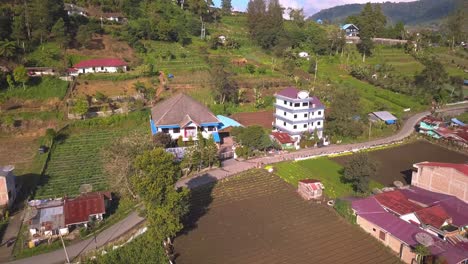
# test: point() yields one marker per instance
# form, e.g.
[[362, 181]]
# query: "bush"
[[343, 208]]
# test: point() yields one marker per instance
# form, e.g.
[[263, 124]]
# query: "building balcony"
[[300, 121], [300, 109]]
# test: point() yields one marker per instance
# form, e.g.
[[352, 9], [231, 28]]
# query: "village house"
[[383, 116], [182, 116], [310, 189], [439, 129], [40, 71], [448, 178], [73, 10], [110, 65], [405, 218], [53, 217], [283, 139], [113, 17], [350, 30], [297, 112], [7, 186]]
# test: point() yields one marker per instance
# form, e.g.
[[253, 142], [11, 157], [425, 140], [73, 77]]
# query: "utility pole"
[[370, 128], [315, 72], [64, 248], [203, 31]]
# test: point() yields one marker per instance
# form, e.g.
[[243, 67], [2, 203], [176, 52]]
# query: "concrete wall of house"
[[190, 130], [442, 180], [102, 69], [393, 243]]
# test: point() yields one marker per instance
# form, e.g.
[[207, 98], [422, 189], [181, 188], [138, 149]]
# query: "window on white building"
[[176, 130], [290, 103], [319, 112], [165, 130], [297, 104], [295, 116], [312, 113], [305, 125], [318, 123], [284, 113], [211, 128], [284, 123], [305, 115], [285, 102], [295, 127], [305, 104]]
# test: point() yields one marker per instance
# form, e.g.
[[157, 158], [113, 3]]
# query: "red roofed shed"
[[310, 189], [79, 210], [101, 65], [283, 138], [434, 216]]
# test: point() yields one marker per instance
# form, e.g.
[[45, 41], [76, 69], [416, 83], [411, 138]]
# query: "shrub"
[[343, 208]]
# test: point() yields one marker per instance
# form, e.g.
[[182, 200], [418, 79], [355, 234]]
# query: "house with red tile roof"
[[82, 209], [297, 112], [310, 189], [447, 178], [407, 217], [284, 139], [110, 65]]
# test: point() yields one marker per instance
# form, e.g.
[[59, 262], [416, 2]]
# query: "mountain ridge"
[[411, 13]]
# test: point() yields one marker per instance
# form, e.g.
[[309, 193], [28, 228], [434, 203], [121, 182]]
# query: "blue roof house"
[[351, 30]]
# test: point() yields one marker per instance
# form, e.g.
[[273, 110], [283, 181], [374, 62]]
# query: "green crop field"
[[45, 88], [322, 169]]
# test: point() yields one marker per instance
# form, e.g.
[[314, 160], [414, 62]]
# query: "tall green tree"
[[365, 47], [59, 33], [7, 48], [432, 78], [21, 75], [359, 170], [81, 107], [457, 26], [155, 177], [341, 121], [226, 7], [225, 88], [265, 22], [18, 32]]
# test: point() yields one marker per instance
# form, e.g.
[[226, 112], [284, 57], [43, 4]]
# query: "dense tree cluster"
[[343, 119], [359, 170]]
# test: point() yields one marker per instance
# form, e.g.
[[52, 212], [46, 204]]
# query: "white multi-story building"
[[297, 112]]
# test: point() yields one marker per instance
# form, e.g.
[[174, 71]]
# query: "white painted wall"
[[101, 69]]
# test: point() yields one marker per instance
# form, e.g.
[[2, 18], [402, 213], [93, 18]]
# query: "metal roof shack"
[[385, 116], [110, 62], [78, 210], [283, 138], [434, 216]]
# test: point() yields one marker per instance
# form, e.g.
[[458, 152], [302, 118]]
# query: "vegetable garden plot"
[[74, 162]]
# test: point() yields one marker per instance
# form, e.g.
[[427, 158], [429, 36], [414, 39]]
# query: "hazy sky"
[[310, 6]]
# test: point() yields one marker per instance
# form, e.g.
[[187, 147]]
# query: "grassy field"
[[43, 89], [323, 169]]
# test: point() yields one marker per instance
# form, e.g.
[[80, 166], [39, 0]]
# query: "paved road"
[[232, 167], [108, 235]]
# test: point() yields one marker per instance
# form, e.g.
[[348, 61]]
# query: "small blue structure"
[[457, 122], [465, 82], [216, 137], [227, 122], [154, 129], [319, 21], [170, 76], [385, 116]]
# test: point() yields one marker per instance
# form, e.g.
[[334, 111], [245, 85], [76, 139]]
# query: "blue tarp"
[[465, 82], [154, 130], [457, 122], [216, 137], [227, 122]]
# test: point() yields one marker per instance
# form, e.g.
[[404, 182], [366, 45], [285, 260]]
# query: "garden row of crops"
[[76, 161]]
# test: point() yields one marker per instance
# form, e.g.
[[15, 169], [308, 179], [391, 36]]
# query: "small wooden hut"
[[310, 189]]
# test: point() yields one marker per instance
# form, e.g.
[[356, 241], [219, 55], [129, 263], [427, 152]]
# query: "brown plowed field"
[[258, 218], [395, 164]]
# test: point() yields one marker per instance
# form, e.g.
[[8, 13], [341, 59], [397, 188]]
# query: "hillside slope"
[[411, 13]]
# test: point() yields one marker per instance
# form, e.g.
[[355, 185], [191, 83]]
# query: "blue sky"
[[310, 6]]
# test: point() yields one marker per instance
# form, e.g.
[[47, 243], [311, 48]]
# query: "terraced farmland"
[[258, 218], [76, 161]]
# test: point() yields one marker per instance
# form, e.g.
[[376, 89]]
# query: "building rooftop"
[[434, 216], [110, 62], [463, 168], [293, 93], [283, 138], [264, 119], [227, 122], [397, 202], [79, 209], [384, 115], [180, 110]]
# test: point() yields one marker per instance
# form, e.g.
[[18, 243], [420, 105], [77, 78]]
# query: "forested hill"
[[412, 13]]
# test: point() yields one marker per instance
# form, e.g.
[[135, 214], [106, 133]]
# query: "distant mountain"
[[411, 13]]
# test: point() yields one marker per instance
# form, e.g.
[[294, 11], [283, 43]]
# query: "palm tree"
[[421, 252], [7, 48]]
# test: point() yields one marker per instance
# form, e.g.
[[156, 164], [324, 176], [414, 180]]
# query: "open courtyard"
[[256, 217]]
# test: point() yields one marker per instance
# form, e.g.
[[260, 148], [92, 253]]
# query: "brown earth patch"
[[395, 164], [109, 88], [106, 47], [258, 218], [18, 150]]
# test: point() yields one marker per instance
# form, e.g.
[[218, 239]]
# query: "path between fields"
[[233, 167], [110, 234], [230, 167]]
